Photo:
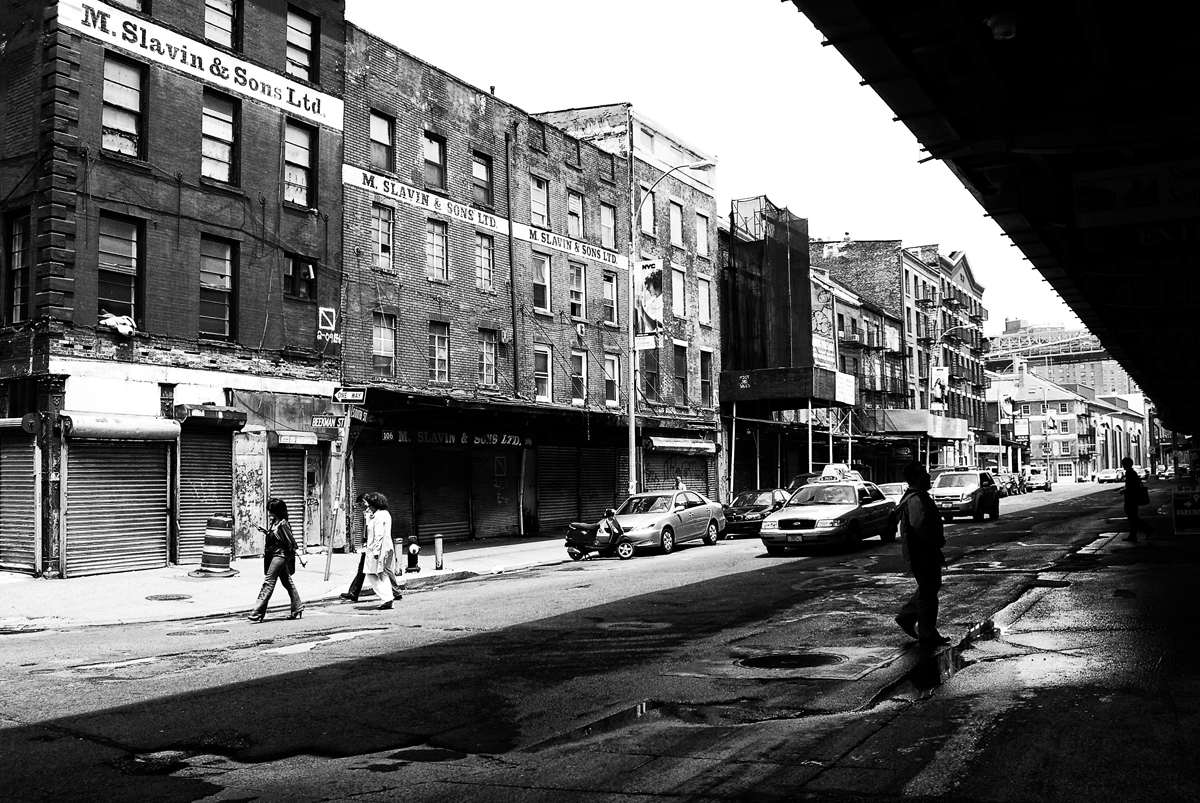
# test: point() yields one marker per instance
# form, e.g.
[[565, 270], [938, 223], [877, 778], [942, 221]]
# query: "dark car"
[[800, 480], [745, 513]]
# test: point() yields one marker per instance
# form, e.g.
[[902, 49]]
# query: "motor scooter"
[[604, 538]]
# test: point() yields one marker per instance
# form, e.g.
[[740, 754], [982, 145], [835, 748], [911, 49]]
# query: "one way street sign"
[[349, 395]]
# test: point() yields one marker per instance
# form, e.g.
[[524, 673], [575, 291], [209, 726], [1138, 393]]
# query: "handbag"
[[1141, 494]]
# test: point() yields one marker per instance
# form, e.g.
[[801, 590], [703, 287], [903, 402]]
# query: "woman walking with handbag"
[[379, 560], [1135, 494], [279, 561]]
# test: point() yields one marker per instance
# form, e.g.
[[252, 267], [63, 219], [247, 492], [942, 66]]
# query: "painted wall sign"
[[118, 29], [453, 438], [557, 242], [421, 199]]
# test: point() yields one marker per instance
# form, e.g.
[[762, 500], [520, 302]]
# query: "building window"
[[650, 374], [578, 290], [216, 288], [608, 170], [298, 183], [541, 282], [676, 211], [678, 295], [539, 202], [383, 344], [481, 177], [439, 352], [681, 395], [610, 298], [119, 263], [1062, 407], [701, 235], [487, 356], [537, 135], [578, 377], [704, 301], [382, 146], [300, 277], [381, 236], [219, 127], [574, 151], [612, 380], [608, 226], [221, 18], [645, 140], [574, 215], [19, 252], [485, 248], [647, 213], [706, 380], [542, 386], [121, 123], [435, 162], [301, 45], [436, 266]]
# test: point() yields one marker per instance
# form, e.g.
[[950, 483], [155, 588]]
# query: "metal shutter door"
[[387, 470], [116, 518], [558, 488], [18, 476], [597, 482], [494, 477], [443, 504], [663, 467], [205, 487], [287, 483]]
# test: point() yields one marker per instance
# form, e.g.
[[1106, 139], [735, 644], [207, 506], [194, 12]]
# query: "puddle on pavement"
[[920, 682], [613, 722]]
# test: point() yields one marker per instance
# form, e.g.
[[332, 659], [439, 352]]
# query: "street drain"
[[795, 660], [168, 597]]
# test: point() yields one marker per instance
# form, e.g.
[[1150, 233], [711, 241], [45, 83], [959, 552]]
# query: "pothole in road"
[[795, 660]]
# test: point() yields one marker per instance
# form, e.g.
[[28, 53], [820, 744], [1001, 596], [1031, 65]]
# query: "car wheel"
[[710, 536], [775, 551], [625, 550], [947, 519], [977, 514], [854, 537], [889, 530], [667, 541], [994, 515]]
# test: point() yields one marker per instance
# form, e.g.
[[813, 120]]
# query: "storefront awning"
[[286, 437], [680, 445], [103, 426], [210, 415]]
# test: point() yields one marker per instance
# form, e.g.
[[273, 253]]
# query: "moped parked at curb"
[[604, 538]]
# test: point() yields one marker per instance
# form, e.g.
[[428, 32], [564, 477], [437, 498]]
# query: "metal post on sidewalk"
[[437, 551]]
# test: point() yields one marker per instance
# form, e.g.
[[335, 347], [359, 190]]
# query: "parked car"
[[1038, 479], [800, 480], [745, 514], [1163, 473], [893, 490], [825, 512], [1010, 484], [1110, 475], [966, 493], [1142, 472], [662, 519]]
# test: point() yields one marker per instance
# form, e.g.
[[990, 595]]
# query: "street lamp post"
[[634, 227]]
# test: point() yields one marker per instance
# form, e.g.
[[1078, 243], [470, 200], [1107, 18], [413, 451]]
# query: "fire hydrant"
[[414, 553]]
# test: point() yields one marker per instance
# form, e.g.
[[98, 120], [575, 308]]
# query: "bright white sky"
[[745, 80]]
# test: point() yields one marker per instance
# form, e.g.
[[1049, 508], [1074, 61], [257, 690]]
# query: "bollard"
[[414, 553], [218, 539], [437, 552]]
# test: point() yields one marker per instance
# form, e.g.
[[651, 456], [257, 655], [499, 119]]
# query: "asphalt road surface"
[[715, 673]]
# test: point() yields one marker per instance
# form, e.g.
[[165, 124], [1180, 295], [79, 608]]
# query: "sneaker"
[[934, 641], [907, 627], [350, 597]]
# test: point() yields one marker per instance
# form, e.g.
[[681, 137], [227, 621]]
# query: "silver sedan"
[[662, 519]]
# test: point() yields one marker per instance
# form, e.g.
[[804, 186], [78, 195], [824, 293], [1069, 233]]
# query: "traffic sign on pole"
[[349, 395]]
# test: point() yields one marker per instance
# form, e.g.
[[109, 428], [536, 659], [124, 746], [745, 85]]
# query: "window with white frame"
[[298, 150], [610, 298], [18, 250], [439, 351], [542, 385], [301, 45], [299, 277], [122, 122], [647, 211], [216, 287], [1024, 409], [381, 236], [676, 212], [612, 380], [382, 146], [678, 294], [435, 161], [574, 215], [701, 235], [1064, 426], [383, 344], [578, 290], [706, 378], [218, 134], [436, 266], [539, 202], [487, 356], [608, 225], [681, 383], [650, 374], [119, 270], [541, 282], [481, 178], [704, 300], [578, 377], [221, 18], [1063, 407], [485, 248]]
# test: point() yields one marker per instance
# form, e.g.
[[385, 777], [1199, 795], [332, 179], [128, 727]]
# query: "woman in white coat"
[[380, 557]]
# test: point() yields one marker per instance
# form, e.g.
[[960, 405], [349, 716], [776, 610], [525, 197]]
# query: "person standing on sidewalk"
[[921, 540], [279, 561], [1135, 494], [379, 554], [396, 577]]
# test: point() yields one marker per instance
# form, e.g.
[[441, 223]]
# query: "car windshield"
[[748, 498], [956, 481], [824, 495], [646, 504], [892, 488]]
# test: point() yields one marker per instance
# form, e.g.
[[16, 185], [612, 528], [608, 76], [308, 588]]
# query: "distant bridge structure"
[[1054, 347]]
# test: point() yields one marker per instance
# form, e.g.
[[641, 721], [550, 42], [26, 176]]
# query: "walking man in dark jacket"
[[921, 539]]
